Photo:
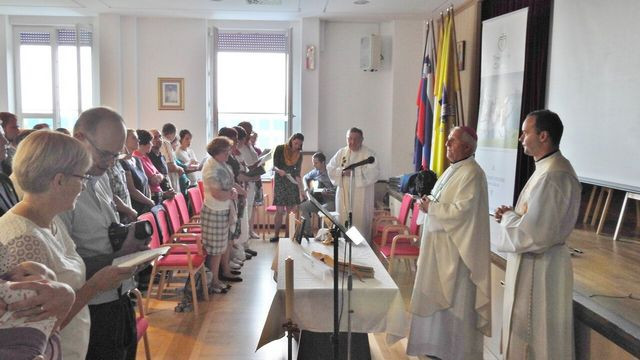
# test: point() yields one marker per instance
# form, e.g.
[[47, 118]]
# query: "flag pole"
[[457, 68]]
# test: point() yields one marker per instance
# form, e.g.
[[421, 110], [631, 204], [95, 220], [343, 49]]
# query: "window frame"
[[213, 108], [55, 81]]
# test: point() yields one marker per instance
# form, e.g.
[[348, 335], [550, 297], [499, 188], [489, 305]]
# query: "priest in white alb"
[[365, 177], [538, 294], [451, 301]]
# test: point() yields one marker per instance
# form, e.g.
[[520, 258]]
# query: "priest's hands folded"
[[500, 211], [424, 203]]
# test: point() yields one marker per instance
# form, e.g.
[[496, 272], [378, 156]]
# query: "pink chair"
[[196, 201], [142, 322], [386, 226], [405, 245], [189, 259]]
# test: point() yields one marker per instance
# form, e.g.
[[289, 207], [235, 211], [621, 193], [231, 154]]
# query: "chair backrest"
[[155, 237], [173, 214], [163, 226], [182, 207], [407, 200], [201, 187], [196, 200], [413, 225]]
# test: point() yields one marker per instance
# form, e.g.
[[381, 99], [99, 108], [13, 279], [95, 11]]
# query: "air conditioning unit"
[[370, 53]]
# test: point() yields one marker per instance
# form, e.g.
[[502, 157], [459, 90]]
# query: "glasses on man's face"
[[83, 178], [104, 154]]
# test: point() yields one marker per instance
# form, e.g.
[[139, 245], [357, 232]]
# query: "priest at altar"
[[365, 177]]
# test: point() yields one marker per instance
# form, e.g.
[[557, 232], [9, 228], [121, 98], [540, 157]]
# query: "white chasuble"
[[538, 294], [364, 179], [451, 301]]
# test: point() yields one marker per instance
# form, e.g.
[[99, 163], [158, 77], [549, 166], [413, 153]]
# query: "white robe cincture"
[[538, 294], [451, 301], [364, 178]]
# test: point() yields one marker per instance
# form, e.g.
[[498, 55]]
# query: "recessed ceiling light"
[[361, 2]]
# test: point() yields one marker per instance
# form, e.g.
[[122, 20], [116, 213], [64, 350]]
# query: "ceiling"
[[337, 10]]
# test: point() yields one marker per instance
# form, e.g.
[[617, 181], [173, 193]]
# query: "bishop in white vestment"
[[538, 294], [451, 301], [364, 179]]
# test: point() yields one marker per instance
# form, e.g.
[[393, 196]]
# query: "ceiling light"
[[361, 2]]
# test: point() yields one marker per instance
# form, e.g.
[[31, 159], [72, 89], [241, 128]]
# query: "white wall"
[[134, 51], [173, 48], [407, 52], [351, 97], [381, 103]]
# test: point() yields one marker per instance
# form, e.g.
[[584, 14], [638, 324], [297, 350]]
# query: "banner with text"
[[502, 72]]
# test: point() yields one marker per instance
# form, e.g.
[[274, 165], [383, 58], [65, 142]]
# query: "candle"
[[288, 280]]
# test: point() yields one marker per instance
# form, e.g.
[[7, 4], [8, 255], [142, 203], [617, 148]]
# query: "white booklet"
[[140, 257], [264, 158]]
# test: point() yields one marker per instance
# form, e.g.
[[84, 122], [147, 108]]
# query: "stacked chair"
[[406, 244], [186, 254], [386, 226]]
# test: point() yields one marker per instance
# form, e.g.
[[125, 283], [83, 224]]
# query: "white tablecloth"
[[376, 302]]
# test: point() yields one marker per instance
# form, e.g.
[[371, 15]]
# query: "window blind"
[[253, 42]]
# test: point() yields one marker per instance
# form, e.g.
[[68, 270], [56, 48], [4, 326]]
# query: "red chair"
[[183, 209], [406, 244], [142, 323], [176, 219], [195, 198], [201, 187], [269, 211], [190, 260], [386, 226], [168, 238]]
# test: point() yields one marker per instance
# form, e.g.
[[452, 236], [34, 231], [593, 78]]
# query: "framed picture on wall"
[[170, 93]]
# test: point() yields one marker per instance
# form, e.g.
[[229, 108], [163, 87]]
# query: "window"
[[53, 75], [252, 81]]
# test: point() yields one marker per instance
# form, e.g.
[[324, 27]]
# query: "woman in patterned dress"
[[287, 190], [218, 213]]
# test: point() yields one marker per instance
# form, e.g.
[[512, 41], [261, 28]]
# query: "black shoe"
[[235, 272], [247, 256], [251, 252], [274, 239], [232, 279]]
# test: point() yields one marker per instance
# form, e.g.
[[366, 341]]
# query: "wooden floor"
[[229, 325]]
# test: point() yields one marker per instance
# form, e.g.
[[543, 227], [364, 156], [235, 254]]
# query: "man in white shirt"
[[175, 171], [250, 157], [364, 179], [538, 295]]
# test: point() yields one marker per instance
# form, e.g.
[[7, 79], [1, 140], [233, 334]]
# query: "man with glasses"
[[113, 326]]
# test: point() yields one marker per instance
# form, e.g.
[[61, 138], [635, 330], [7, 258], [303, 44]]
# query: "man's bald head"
[[103, 132], [90, 119]]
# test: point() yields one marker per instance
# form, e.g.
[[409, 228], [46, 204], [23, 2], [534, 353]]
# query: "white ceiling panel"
[[234, 9]]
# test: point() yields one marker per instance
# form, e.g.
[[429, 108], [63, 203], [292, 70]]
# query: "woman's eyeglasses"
[[83, 178]]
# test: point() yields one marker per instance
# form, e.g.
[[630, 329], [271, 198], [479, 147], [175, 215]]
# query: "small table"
[[376, 302]]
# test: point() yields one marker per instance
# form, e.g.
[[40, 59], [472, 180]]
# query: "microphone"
[[369, 160]]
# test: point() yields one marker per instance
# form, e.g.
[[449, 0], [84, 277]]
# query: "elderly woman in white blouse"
[[50, 168]]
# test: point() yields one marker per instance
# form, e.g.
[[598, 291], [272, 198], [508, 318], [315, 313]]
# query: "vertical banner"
[[501, 79]]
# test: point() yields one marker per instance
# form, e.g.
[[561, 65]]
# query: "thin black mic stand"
[[350, 273]]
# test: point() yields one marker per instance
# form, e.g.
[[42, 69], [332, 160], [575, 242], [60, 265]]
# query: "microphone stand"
[[350, 273]]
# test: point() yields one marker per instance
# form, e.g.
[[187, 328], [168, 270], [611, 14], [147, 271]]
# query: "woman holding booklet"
[[50, 168]]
